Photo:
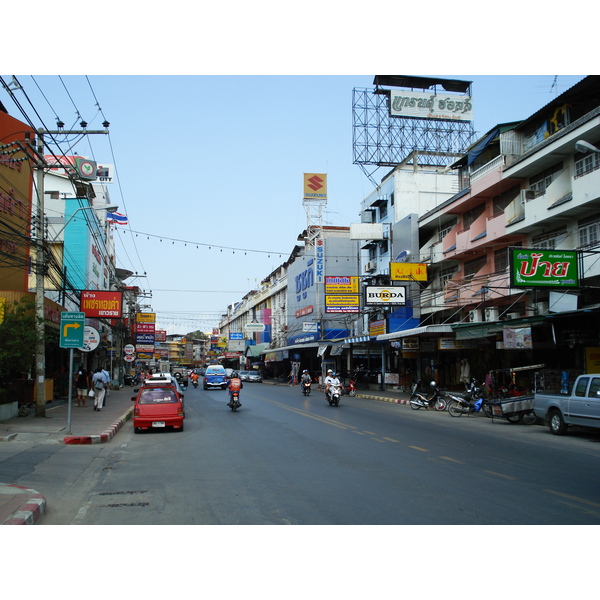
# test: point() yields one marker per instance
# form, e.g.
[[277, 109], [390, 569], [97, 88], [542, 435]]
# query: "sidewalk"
[[23, 506]]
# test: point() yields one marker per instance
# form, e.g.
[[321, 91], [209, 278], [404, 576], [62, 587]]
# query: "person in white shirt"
[[99, 387], [330, 380]]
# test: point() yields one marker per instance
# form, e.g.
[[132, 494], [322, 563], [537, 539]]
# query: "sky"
[[217, 111], [209, 168]]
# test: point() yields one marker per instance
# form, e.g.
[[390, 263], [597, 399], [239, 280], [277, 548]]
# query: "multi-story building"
[[523, 185]]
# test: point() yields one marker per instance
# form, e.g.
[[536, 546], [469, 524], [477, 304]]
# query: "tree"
[[199, 335], [17, 340]]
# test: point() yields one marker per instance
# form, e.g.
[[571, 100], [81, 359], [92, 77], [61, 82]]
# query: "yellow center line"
[[419, 449], [500, 475], [460, 462], [575, 498]]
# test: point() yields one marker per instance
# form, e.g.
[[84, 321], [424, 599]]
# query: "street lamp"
[[583, 146], [107, 207]]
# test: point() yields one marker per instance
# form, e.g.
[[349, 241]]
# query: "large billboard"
[[531, 267], [400, 271], [425, 105]]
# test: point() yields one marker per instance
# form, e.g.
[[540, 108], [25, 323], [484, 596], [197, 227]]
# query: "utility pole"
[[40, 350]]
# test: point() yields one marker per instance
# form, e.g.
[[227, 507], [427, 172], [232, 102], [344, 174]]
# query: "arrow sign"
[[72, 326]]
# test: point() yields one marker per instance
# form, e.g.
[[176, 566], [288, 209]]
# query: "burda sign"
[[544, 268], [383, 296]]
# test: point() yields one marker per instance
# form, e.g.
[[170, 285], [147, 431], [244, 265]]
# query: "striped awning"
[[357, 340]]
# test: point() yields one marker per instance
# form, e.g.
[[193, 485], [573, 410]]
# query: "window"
[[594, 388], [541, 181], [445, 229], [586, 164], [383, 210], [589, 235], [501, 201], [581, 386], [472, 215], [550, 240], [472, 266], [501, 260], [447, 274]]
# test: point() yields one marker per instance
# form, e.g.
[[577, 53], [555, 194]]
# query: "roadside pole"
[[70, 397]]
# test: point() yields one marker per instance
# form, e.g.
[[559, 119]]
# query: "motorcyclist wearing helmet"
[[330, 380], [305, 376]]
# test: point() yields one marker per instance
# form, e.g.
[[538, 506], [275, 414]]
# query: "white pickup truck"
[[582, 407]]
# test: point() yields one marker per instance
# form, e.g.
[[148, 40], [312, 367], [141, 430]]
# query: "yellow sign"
[[145, 317], [408, 271], [315, 186], [341, 285]]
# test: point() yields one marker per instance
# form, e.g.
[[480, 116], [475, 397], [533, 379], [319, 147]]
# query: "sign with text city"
[[95, 303], [530, 267]]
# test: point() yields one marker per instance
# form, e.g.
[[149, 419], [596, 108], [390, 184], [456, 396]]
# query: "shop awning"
[[426, 329], [357, 340], [256, 350]]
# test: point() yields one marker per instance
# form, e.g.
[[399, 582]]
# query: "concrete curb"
[[383, 399], [30, 512], [102, 438]]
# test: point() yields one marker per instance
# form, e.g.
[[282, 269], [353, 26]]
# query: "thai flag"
[[116, 218]]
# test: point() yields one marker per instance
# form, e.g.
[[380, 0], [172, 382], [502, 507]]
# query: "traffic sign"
[[72, 327]]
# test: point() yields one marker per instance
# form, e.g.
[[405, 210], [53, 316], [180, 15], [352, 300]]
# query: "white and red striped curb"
[[384, 399], [31, 512], [102, 438]]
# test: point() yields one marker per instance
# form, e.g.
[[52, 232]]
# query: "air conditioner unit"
[[370, 266], [513, 315], [527, 194], [541, 308], [475, 316], [491, 314]]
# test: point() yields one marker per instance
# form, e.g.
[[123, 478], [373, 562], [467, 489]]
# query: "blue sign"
[[144, 338], [236, 336]]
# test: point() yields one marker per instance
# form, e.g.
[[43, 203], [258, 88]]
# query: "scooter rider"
[[330, 380], [234, 385], [305, 376]]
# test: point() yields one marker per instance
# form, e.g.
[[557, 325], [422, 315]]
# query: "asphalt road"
[[286, 459]]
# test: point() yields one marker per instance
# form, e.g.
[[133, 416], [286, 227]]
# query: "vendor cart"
[[517, 409]]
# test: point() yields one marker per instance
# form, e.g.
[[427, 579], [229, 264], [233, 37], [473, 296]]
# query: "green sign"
[[72, 326], [531, 267]]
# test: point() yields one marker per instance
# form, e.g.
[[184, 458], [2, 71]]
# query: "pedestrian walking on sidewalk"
[[107, 386], [99, 389], [82, 385]]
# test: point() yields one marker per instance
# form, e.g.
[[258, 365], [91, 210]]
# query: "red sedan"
[[158, 406]]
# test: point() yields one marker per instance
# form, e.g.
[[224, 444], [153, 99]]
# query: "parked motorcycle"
[[350, 389], [305, 385], [131, 380], [234, 401], [472, 402], [334, 394], [435, 399]]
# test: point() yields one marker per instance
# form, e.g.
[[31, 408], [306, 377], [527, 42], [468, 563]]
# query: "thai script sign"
[[342, 303], [377, 327], [341, 285], [408, 271], [145, 317], [383, 296], [544, 268], [425, 105], [101, 304]]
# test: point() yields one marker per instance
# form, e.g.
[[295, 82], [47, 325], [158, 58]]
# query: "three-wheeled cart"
[[517, 409]]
